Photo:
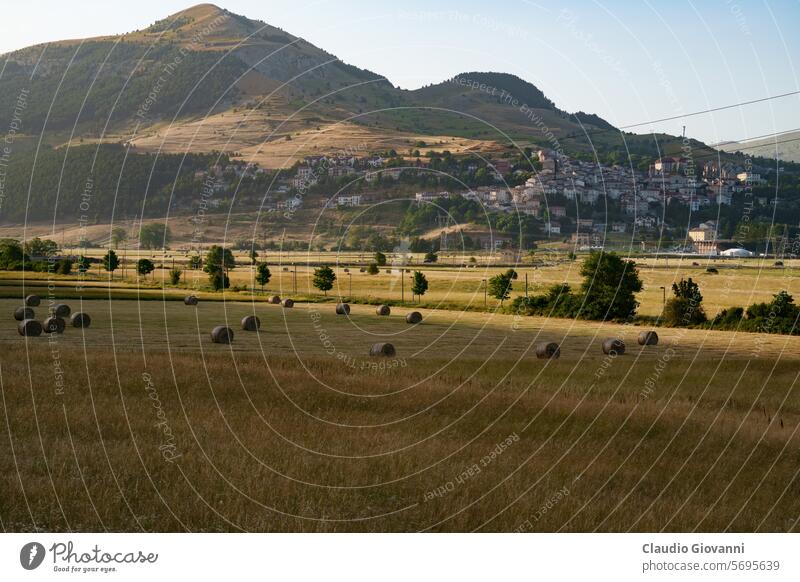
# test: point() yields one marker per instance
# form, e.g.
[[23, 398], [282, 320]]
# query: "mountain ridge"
[[207, 61]]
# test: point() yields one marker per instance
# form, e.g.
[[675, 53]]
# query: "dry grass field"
[[737, 283], [278, 138], [141, 423]]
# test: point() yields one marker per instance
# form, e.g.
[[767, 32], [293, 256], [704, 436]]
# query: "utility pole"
[[664, 299], [526, 285], [295, 278], [402, 285], [350, 277], [483, 281]]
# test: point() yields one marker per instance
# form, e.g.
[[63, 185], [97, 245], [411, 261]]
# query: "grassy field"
[[737, 283], [141, 423]]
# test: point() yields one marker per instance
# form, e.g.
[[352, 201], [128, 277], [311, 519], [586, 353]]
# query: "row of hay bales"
[[29, 326], [275, 300], [382, 310], [610, 346]]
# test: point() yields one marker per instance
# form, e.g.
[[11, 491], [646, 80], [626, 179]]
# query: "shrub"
[[63, 266], [175, 276]]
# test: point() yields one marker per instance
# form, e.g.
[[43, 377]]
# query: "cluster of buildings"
[[640, 196]]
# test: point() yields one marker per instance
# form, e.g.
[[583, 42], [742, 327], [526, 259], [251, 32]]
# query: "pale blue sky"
[[626, 61]]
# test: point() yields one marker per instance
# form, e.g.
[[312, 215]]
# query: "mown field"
[[141, 423], [452, 286]]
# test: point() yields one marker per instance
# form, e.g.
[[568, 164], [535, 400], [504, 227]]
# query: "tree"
[[83, 264], [253, 256], [110, 262], [11, 254], [430, 257], [218, 261], [37, 247], [262, 275], [500, 286], [419, 284], [118, 235], [144, 267], [219, 280], [175, 276], [685, 307], [380, 259], [372, 269], [154, 236], [608, 288], [324, 278]]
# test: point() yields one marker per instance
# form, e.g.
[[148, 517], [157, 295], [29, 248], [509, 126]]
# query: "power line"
[[712, 110], [747, 139], [692, 114]]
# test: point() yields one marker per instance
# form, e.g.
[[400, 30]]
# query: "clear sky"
[[628, 61]]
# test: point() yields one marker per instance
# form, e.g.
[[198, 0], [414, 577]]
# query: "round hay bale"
[[388, 271], [288, 303], [382, 349], [414, 317], [32, 301], [61, 310], [545, 351], [190, 300], [251, 323], [22, 313], [54, 324], [342, 309], [80, 320], [29, 327], [613, 346], [383, 310], [286, 269], [275, 299], [347, 270], [648, 338], [222, 335], [362, 270]]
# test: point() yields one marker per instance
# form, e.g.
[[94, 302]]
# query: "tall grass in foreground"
[[232, 441]]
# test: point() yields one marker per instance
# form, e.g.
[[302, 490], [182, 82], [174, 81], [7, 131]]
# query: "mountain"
[[207, 79]]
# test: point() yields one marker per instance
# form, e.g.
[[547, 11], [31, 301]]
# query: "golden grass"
[[293, 429], [738, 283]]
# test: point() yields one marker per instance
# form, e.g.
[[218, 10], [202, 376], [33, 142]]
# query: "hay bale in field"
[[383, 310], [29, 327], [32, 301], [61, 310], [22, 313], [613, 346], [222, 335], [275, 299], [80, 320], [251, 323], [648, 338], [385, 350], [342, 309], [347, 270], [414, 317], [545, 351], [54, 324], [286, 269], [362, 270], [190, 300], [287, 303]]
